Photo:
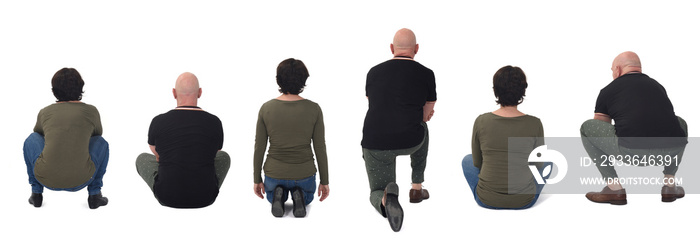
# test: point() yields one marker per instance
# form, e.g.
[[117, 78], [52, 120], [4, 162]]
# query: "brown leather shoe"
[[670, 194], [617, 197], [418, 195]]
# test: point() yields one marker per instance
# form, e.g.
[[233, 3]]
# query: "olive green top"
[[290, 126], [67, 127], [491, 154]]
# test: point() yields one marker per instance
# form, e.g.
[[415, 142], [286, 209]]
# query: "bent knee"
[[587, 125]]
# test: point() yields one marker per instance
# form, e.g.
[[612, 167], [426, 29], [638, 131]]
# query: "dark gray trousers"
[[147, 167], [381, 167], [599, 139]]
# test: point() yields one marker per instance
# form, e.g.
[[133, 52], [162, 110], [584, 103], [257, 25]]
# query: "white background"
[[130, 53]]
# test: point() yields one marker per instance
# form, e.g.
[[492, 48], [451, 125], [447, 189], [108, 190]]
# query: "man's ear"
[[617, 72], [391, 46], [200, 93], [416, 50], [174, 94]]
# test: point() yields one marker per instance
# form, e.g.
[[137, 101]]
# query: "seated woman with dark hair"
[[487, 169], [66, 151], [291, 123]]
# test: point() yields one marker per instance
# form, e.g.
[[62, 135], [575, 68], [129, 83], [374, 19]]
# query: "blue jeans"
[[307, 186], [471, 173], [99, 153]]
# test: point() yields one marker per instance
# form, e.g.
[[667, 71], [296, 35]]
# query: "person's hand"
[[153, 149], [323, 191], [428, 111], [259, 189], [427, 116]]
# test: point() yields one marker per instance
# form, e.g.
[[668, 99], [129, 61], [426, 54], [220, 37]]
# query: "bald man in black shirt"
[[401, 94], [187, 167], [645, 126]]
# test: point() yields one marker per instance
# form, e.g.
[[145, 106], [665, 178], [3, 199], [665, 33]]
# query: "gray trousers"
[[147, 167], [381, 168], [599, 139]]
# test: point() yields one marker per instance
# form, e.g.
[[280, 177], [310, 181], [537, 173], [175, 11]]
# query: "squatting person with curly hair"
[[66, 152]]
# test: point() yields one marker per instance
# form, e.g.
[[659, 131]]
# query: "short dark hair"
[[291, 76], [67, 85], [509, 86]]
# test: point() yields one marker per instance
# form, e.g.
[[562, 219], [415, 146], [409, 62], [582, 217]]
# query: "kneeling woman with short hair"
[[291, 123]]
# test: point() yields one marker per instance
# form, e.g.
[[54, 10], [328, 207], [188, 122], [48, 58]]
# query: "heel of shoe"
[[36, 199], [97, 200], [670, 194], [392, 188]]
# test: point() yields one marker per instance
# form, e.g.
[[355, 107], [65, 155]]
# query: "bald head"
[[186, 84], [187, 89], [626, 62], [404, 38], [404, 43]]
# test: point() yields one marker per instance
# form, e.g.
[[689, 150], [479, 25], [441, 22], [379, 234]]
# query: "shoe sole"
[[277, 205], [612, 202], [95, 207], [299, 213], [299, 207], [277, 209], [33, 204], [670, 199], [617, 202], [416, 200], [394, 212], [419, 200]]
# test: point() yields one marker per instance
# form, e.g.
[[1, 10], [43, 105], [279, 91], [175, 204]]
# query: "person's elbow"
[[602, 117]]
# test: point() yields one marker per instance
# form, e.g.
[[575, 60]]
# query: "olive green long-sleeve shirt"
[[500, 185], [67, 127], [290, 127]]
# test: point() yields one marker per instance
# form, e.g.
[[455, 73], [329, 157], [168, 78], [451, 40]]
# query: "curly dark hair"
[[291, 76], [67, 85], [509, 86]]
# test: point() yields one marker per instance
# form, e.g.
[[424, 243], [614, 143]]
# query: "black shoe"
[[394, 212], [299, 203], [95, 201], [277, 204], [36, 199]]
